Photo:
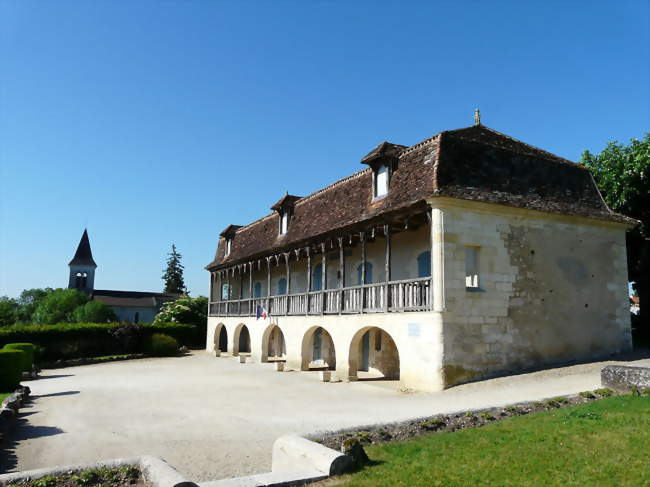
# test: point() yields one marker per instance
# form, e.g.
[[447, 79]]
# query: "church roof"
[[83, 255], [132, 298], [473, 163]]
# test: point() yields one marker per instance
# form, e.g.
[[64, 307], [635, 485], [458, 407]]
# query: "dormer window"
[[383, 160], [228, 235], [284, 209], [381, 181], [228, 245], [284, 222]]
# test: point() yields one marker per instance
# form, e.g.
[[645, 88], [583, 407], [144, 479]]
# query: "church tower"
[[82, 267]]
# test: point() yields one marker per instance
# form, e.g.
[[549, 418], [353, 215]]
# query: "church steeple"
[[82, 267]]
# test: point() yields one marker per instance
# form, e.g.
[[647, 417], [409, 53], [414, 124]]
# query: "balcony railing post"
[[228, 293], [307, 299], [362, 236], [342, 274], [287, 256], [387, 268], [323, 279]]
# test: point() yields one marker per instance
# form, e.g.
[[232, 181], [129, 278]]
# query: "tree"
[[93, 312], [186, 310], [622, 173], [28, 302], [58, 306], [173, 275], [7, 311]]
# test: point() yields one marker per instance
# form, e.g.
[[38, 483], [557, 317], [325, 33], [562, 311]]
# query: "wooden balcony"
[[393, 296]]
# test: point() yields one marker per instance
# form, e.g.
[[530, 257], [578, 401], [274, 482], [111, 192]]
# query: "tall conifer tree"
[[173, 276]]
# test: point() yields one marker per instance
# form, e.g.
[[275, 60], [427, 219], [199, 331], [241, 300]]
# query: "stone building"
[[128, 306], [466, 255]]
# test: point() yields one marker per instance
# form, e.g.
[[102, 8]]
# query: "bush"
[[93, 312], [57, 306], [161, 345], [10, 369], [193, 311], [79, 340], [28, 357]]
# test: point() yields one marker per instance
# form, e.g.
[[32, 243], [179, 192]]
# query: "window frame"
[[472, 267], [283, 224], [375, 181]]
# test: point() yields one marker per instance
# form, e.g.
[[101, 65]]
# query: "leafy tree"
[[58, 306], [7, 311], [28, 302], [173, 276], [93, 312], [186, 310], [622, 173]]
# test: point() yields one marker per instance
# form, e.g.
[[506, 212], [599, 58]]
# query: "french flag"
[[261, 312]]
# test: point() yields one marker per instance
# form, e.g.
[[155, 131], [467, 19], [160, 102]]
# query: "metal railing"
[[393, 296]]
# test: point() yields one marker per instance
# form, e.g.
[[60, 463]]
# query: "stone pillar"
[[438, 259]]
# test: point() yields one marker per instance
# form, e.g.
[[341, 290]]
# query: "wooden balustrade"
[[407, 295]]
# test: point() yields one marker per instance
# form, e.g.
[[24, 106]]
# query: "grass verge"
[[5, 394], [600, 443]]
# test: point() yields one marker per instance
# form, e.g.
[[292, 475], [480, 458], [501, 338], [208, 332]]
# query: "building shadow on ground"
[[21, 430]]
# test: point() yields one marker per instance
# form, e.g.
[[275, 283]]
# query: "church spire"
[[83, 256]]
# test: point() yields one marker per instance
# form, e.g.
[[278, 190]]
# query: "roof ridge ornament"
[[477, 117]]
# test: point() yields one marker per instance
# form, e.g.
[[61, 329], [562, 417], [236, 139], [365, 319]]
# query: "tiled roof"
[[132, 298], [473, 163], [83, 255]]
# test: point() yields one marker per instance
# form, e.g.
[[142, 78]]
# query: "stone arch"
[[318, 349], [241, 340], [273, 343], [374, 351], [221, 338]]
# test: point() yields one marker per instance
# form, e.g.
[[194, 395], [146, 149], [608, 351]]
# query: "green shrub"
[[604, 392], [28, 357], [161, 345], [587, 395], [78, 340], [11, 362]]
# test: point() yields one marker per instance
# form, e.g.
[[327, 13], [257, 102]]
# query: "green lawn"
[[3, 395], [606, 443]]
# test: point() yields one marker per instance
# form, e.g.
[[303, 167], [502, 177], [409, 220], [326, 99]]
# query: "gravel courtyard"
[[214, 418]]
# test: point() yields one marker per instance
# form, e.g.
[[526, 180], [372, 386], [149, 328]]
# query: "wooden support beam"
[[250, 288], [307, 249], [341, 273], [287, 256], [387, 268], [362, 237], [268, 284], [323, 278]]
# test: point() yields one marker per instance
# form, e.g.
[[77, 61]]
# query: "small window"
[[317, 278], [368, 274], [424, 264], [284, 222], [471, 267], [228, 245], [381, 181], [226, 291], [257, 290], [282, 286], [136, 318]]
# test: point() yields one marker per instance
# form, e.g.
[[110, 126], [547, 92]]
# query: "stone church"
[[129, 306], [466, 255]]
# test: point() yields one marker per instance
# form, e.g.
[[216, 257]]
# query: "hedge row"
[[78, 340], [10, 369]]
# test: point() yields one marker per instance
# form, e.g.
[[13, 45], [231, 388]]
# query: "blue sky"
[[156, 122]]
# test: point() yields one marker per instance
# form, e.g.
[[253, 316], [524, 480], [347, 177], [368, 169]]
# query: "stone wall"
[[552, 288], [623, 378]]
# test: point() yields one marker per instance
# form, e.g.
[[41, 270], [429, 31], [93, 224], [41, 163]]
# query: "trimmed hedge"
[[10, 369], [161, 345], [78, 340], [28, 358]]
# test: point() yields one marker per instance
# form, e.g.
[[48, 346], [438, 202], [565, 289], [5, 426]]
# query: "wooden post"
[[342, 274], [307, 249], [287, 256], [362, 236], [250, 289], [268, 284], [323, 278], [241, 283], [387, 268], [229, 293]]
